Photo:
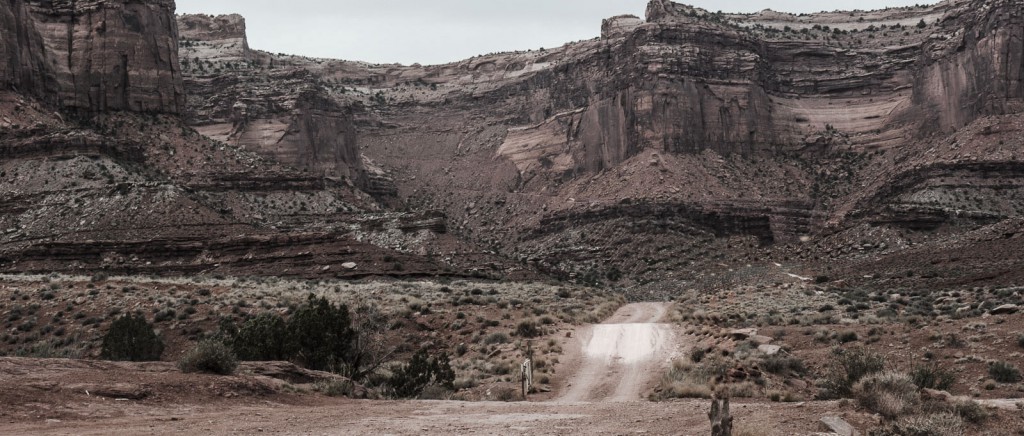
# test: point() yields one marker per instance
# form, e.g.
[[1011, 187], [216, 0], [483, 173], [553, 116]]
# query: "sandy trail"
[[623, 357]]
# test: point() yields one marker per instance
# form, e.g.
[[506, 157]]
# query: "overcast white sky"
[[439, 31]]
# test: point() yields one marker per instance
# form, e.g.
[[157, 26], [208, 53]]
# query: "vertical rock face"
[[975, 67], [103, 55], [262, 103], [22, 61]]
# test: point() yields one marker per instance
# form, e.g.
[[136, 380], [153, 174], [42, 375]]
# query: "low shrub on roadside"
[[935, 424], [890, 394], [848, 367], [210, 356]]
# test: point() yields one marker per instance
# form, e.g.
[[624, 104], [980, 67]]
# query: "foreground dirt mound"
[[66, 389]]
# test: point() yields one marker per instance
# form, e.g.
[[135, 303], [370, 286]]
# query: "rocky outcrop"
[[620, 26], [105, 55], [241, 97]]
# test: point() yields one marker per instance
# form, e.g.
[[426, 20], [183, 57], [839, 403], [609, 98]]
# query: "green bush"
[[323, 336], [410, 380], [1004, 372], [319, 335], [132, 338], [932, 377], [890, 394], [848, 367], [210, 356], [262, 338]]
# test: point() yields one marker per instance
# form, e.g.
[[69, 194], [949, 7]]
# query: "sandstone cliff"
[[104, 55], [24, 64], [255, 101], [689, 142], [123, 185]]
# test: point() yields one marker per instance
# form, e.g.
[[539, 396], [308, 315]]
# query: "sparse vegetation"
[[848, 367], [934, 424], [1004, 372], [779, 364], [932, 377], [422, 371], [890, 394]]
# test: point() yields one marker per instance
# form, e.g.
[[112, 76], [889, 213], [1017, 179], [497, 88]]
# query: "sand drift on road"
[[627, 343], [619, 360]]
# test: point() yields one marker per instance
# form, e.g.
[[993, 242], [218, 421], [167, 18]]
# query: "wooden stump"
[[721, 422]]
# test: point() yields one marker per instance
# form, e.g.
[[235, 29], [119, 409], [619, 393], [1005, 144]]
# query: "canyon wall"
[[106, 55], [258, 102], [974, 67], [23, 64]]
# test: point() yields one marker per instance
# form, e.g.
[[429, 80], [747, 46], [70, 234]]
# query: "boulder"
[[742, 334], [1005, 309], [838, 426]]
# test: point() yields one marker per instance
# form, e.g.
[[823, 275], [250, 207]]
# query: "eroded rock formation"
[[686, 144], [103, 55], [241, 97]]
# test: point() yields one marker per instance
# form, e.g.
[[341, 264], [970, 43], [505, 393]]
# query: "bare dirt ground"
[[342, 417], [622, 357], [612, 364]]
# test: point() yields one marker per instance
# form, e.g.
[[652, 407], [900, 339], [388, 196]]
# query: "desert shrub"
[[932, 377], [890, 394], [697, 354], [691, 380], [410, 380], [528, 329], [132, 338], [496, 338], [335, 387], [778, 364], [210, 356], [1004, 372], [264, 337], [506, 394], [935, 424], [970, 411], [846, 337], [435, 392], [848, 367], [323, 336], [49, 350]]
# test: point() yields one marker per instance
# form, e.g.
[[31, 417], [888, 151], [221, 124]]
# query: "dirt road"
[[614, 363], [620, 359]]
